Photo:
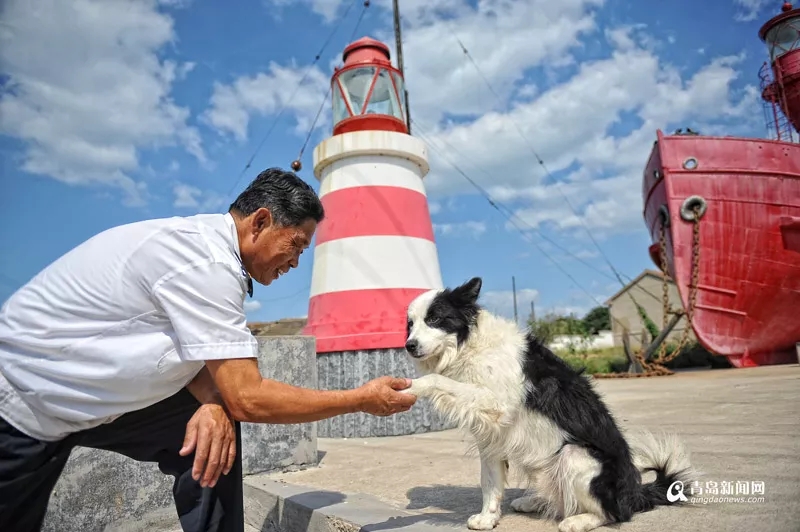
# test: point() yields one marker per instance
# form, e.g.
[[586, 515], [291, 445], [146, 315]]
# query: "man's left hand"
[[211, 435]]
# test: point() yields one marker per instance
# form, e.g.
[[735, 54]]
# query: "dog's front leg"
[[493, 482], [470, 405]]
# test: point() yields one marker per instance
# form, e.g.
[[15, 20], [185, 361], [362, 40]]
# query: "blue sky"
[[123, 110]]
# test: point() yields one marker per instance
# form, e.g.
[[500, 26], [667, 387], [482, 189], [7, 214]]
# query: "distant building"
[[647, 290]]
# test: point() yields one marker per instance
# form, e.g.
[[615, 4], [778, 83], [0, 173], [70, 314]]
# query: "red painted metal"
[[355, 320], [374, 122], [748, 290], [366, 51], [375, 210], [748, 293]]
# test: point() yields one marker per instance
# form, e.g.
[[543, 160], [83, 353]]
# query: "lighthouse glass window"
[[339, 106], [383, 99], [784, 37], [401, 92], [357, 83]]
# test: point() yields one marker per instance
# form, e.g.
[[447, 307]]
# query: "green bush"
[[610, 360]]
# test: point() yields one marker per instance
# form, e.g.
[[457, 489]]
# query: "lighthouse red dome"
[[366, 50]]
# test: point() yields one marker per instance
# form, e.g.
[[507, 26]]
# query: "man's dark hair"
[[290, 199]]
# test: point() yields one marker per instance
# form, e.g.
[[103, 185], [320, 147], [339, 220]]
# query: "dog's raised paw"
[[416, 388], [484, 521]]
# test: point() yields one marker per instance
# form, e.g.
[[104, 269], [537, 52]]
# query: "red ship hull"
[[748, 295]]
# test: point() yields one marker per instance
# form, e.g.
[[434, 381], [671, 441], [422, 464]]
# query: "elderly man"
[[136, 342]]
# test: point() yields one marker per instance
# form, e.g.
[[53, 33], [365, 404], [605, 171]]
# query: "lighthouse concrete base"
[[350, 369]]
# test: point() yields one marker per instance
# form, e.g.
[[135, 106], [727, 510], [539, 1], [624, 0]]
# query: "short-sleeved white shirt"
[[121, 322]]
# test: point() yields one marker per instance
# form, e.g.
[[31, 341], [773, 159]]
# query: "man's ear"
[[261, 220]]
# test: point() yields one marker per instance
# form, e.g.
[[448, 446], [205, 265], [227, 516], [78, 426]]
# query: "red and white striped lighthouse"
[[375, 250]]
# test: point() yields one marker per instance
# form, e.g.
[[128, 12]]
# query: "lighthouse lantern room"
[[781, 76], [367, 91]]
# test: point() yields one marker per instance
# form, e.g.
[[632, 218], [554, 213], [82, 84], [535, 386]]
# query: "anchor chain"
[[662, 357], [665, 306], [656, 367]]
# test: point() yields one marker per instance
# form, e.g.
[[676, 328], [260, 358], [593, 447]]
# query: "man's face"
[[268, 250]]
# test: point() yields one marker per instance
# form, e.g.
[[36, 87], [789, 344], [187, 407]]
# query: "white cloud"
[[752, 9], [586, 254], [502, 302], [191, 197], [87, 91], [505, 39], [445, 204], [266, 94], [472, 229], [568, 126], [251, 305], [175, 3], [327, 9]]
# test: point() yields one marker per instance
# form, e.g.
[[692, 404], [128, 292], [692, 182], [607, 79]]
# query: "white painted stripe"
[[370, 262], [371, 170], [387, 144]]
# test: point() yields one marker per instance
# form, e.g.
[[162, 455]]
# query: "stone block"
[[98, 488], [349, 369], [289, 359]]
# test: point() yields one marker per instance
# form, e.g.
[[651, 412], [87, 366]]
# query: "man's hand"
[[211, 435], [382, 398]]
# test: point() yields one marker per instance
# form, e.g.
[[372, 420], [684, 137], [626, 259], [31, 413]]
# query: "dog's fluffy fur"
[[527, 408]]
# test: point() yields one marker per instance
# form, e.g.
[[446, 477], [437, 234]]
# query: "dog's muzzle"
[[412, 346]]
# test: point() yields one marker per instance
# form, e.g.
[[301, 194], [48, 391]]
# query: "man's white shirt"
[[121, 322]]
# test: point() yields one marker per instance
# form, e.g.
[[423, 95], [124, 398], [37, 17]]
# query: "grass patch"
[[609, 360]]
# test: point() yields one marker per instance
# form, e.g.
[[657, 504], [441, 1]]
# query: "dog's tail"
[[669, 459]]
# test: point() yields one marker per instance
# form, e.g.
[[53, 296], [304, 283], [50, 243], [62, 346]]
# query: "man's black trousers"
[[29, 468]]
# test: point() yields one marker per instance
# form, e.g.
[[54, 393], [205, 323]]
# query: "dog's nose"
[[411, 346]]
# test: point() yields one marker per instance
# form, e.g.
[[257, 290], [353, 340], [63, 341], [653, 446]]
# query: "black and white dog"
[[528, 409]]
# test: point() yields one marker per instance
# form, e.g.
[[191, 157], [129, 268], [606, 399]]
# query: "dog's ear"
[[470, 290]]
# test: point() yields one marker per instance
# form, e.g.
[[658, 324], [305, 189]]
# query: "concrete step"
[[162, 520], [276, 506]]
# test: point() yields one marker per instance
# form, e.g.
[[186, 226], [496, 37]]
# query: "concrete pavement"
[[741, 425]]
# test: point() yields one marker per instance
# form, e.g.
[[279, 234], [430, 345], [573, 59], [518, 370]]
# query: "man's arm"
[[251, 398], [204, 390]]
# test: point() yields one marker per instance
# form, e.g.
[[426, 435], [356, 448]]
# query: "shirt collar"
[[235, 241], [234, 234]]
